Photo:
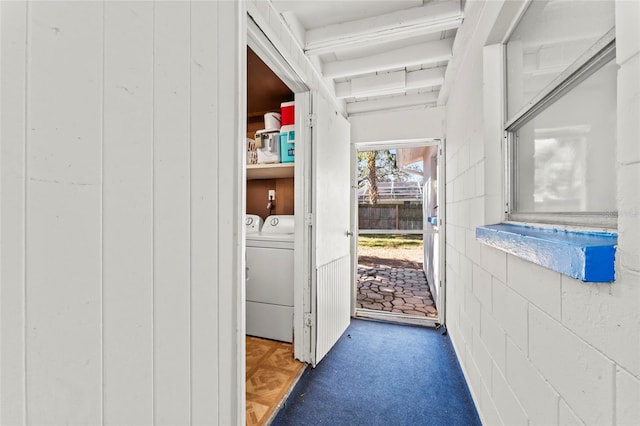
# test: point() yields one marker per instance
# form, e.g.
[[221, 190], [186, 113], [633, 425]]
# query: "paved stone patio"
[[390, 289]]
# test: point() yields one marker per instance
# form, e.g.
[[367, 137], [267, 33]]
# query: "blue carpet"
[[383, 374]]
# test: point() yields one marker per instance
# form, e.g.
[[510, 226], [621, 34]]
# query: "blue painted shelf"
[[587, 256]]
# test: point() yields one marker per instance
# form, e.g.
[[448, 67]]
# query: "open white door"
[[433, 215], [331, 234]]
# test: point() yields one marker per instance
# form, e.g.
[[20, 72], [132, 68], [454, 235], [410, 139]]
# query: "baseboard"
[[474, 397]]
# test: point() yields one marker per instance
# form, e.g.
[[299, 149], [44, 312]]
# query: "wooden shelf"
[[270, 171]]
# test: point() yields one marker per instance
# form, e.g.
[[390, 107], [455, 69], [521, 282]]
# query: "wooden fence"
[[390, 217]]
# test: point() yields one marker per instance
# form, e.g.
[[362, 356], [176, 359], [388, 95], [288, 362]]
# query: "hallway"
[[383, 374]]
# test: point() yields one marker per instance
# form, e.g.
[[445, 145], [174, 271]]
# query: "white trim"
[[304, 347], [396, 317], [354, 228], [260, 44], [392, 144], [598, 55], [441, 302], [415, 143]]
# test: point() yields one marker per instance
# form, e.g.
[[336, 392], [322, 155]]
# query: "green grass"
[[390, 241]]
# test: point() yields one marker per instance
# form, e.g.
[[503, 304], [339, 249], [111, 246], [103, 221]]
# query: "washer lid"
[[253, 223], [278, 224]]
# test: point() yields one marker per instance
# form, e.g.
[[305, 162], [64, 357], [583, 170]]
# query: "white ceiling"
[[378, 54]]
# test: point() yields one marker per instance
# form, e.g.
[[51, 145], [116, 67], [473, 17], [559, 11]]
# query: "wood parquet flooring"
[[271, 372]]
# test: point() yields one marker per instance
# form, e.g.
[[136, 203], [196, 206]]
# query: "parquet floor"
[[271, 371]]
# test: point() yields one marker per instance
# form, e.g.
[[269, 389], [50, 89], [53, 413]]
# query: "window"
[[561, 115]]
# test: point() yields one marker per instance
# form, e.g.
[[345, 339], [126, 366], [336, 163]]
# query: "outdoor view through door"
[[397, 233]]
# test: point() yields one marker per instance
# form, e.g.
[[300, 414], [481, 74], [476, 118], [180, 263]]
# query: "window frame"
[[593, 59]]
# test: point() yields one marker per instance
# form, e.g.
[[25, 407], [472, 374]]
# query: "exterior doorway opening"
[[398, 247]]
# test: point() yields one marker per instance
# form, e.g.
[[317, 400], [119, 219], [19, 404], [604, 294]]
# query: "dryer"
[[270, 265]]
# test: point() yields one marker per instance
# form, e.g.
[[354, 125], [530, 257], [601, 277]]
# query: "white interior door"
[[331, 233]]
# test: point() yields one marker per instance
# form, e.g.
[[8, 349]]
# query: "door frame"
[[395, 144], [257, 40]]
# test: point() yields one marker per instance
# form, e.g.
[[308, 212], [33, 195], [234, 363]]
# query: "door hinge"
[[308, 219], [311, 120], [308, 319]]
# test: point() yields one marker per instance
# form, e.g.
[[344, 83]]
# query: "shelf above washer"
[[270, 171]]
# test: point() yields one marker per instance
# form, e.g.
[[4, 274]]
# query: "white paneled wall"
[[121, 201], [128, 213], [538, 347], [63, 213], [12, 216]]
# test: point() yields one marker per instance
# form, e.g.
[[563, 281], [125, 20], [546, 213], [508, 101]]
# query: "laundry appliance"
[[270, 268], [253, 223]]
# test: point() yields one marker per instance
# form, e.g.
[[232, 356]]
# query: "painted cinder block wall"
[[538, 347], [120, 213]]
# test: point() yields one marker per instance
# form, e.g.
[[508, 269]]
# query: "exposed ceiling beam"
[[418, 54], [383, 28], [393, 82], [392, 102]]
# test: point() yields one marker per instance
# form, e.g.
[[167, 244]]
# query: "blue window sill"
[[586, 256]]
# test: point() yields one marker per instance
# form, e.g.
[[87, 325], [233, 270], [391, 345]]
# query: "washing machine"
[[253, 224], [269, 301]]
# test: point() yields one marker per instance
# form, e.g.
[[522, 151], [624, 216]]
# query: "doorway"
[[275, 177], [399, 249]]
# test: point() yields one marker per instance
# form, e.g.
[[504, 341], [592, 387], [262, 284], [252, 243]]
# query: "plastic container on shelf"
[[272, 121], [287, 113], [290, 130], [268, 146], [287, 148]]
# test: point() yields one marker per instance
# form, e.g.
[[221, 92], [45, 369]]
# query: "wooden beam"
[[418, 54], [390, 83], [392, 102], [392, 26]]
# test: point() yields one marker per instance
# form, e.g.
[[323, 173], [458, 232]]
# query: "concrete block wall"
[[538, 347]]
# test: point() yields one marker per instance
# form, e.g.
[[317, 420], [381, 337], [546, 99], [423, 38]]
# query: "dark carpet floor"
[[383, 374]]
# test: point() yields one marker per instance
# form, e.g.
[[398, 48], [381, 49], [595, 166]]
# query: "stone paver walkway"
[[399, 290]]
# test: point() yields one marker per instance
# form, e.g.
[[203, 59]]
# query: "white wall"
[[536, 346], [397, 125], [120, 213]]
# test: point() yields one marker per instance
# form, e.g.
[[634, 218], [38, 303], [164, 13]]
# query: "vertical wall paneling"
[[63, 218], [121, 204], [231, 130], [127, 213], [333, 300], [204, 213], [12, 144], [171, 213]]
